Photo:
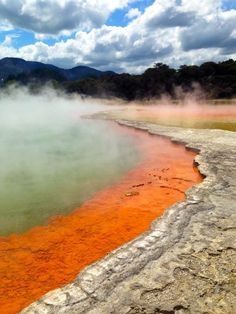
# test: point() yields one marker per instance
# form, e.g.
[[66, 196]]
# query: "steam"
[[187, 109], [50, 155], [19, 108], [51, 158]]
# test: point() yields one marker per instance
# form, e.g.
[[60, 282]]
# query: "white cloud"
[[4, 26], [132, 13], [174, 32], [8, 41], [7, 51], [56, 16]]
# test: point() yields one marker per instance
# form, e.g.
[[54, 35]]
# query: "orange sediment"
[[47, 257]]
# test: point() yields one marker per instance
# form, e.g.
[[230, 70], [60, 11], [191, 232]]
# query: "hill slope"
[[16, 66]]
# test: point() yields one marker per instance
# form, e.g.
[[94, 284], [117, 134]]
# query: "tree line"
[[216, 80]]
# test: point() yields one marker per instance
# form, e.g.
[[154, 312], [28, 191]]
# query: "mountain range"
[[15, 67]]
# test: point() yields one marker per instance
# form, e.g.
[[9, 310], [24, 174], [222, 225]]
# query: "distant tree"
[[208, 69], [158, 80], [218, 80], [188, 74]]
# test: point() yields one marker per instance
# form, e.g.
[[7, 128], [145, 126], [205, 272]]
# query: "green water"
[[49, 169], [228, 125], [197, 116]]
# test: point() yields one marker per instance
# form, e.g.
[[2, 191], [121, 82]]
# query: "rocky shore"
[[185, 263]]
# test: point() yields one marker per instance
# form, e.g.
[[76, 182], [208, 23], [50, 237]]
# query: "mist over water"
[[191, 110], [51, 159]]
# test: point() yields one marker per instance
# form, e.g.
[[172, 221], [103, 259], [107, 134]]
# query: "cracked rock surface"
[[185, 263]]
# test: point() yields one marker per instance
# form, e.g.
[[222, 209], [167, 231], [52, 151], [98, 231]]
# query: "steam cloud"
[[52, 159]]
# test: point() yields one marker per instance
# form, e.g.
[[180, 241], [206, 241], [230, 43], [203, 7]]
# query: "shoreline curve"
[[187, 270]]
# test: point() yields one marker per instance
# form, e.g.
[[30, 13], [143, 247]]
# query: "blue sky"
[[122, 35], [117, 18], [229, 4]]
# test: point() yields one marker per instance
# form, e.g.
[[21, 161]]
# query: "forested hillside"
[[215, 80]]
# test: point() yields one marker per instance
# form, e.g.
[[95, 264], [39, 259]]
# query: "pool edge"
[[98, 282]]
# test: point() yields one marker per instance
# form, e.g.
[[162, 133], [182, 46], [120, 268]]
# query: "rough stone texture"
[[185, 263]]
